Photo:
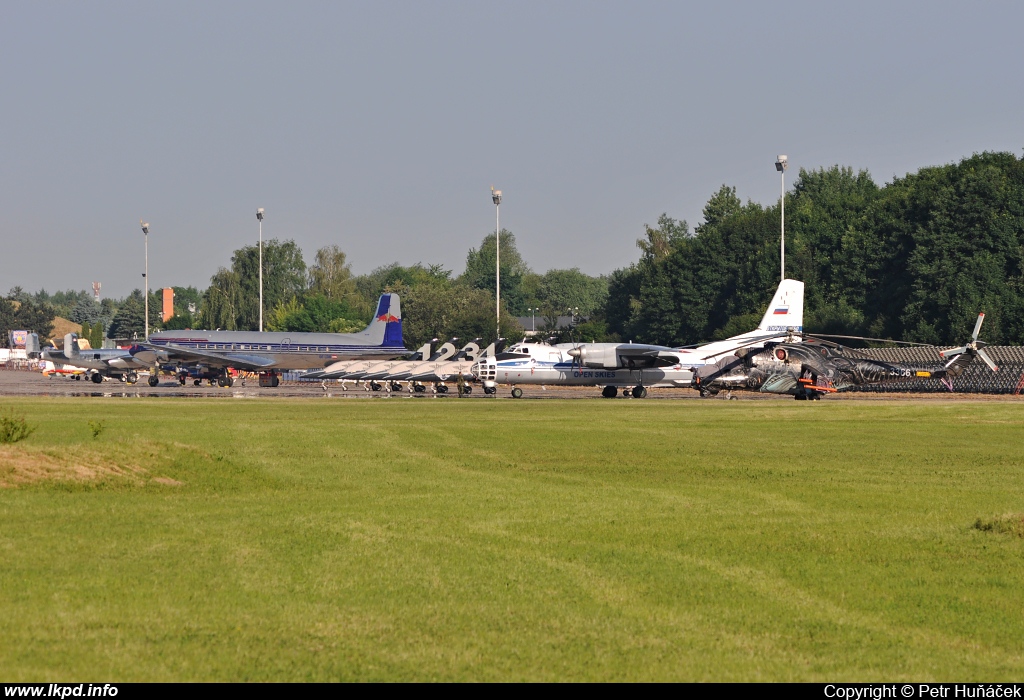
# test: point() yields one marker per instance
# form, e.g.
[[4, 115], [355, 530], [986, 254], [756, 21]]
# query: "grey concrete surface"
[[34, 383]]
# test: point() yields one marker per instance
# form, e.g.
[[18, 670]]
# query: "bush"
[[13, 428]]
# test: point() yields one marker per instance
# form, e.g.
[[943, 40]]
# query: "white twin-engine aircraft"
[[632, 366]]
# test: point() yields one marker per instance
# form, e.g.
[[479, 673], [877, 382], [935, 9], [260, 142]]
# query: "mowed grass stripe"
[[407, 539]]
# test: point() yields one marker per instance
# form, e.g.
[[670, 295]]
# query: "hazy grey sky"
[[380, 126]]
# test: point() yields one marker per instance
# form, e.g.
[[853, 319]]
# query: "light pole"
[[534, 312], [496, 198], [259, 217], [145, 275], [574, 312], [781, 164]]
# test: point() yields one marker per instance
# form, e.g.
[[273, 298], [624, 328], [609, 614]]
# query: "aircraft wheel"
[[374, 386], [97, 378], [639, 392], [467, 390], [610, 392], [78, 377], [419, 389], [229, 381], [197, 382], [442, 389], [517, 393], [153, 380], [800, 397]]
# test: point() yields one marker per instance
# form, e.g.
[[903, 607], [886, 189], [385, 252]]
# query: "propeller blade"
[[985, 358], [954, 351], [977, 326]]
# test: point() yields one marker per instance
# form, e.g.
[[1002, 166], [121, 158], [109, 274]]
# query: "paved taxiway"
[[24, 383]]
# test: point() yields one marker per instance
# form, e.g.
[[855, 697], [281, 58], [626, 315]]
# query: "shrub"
[[13, 428]]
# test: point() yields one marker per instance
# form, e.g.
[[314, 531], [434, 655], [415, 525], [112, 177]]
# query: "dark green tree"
[[35, 317], [564, 289], [284, 278], [446, 309], [481, 270], [130, 321], [86, 310]]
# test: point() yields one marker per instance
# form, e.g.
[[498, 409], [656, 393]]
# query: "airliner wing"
[[213, 359]]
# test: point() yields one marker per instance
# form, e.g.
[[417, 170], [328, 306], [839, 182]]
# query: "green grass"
[[514, 540]]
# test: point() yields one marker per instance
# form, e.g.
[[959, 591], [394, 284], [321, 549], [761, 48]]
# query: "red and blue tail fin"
[[386, 327]]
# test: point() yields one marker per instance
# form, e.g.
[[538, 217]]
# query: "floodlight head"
[[145, 226], [259, 213], [781, 163], [496, 196]]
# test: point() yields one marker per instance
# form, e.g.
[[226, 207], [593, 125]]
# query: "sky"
[[381, 126]]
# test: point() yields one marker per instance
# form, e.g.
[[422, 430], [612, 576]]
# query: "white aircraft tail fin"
[[786, 310]]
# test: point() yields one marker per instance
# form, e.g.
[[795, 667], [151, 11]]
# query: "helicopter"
[[808, 366]]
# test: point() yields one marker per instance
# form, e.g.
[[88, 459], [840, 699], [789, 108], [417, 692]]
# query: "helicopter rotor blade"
[[874, 340], [977, 326], [753, 341], [951, 353], [986, 359]]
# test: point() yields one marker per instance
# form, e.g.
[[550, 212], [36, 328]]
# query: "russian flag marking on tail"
[[786, 309]]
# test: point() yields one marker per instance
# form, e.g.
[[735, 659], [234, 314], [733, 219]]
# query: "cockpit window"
[[511, 355]]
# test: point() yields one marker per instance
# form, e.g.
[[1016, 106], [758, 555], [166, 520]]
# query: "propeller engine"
[[975, 348], [595, 357]]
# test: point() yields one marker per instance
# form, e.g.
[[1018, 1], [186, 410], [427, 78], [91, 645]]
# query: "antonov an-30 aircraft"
[[632, 366], [209, 354]]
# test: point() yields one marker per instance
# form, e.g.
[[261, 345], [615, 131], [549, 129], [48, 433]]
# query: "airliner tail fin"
[[386, 327], [786, 310]]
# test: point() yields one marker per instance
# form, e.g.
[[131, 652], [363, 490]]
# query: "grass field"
[[512, 540]]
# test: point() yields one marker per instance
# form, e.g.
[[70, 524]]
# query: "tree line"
[[915, 259]]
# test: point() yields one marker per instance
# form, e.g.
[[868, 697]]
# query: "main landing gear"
[[637, 392], [154, 380], [517, 393]]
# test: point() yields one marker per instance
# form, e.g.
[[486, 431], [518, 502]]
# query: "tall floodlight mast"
[[145, 275], [496, 198], [781, 163], [259, 217]]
